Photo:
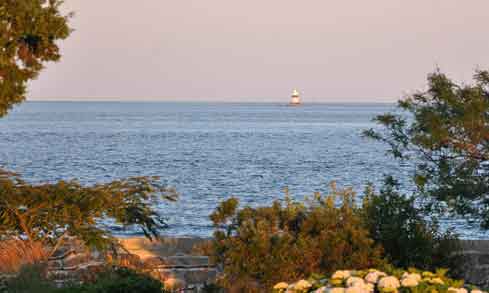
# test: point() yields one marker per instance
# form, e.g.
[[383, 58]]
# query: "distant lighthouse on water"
[[296, 99]]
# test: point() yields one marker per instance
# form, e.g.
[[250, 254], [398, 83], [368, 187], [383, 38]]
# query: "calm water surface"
[[207, 151]]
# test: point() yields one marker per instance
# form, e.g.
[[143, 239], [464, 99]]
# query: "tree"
[[29, 30], [445, 132], [48, 212], [408, 238]]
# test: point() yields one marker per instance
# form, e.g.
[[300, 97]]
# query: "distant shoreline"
[[208, 102]]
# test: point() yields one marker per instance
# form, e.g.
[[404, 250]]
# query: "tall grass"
[[16, 253]]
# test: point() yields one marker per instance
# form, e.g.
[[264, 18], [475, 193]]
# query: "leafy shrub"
[[408, 239], [258, 247], [119, 280], [31, 279], [212, 288]]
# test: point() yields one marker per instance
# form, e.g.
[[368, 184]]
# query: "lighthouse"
[[296, 99]]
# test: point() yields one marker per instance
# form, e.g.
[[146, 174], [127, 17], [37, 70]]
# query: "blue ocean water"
[[207, 151]]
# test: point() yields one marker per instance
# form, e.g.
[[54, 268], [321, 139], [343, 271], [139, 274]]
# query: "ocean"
[[207, 151]]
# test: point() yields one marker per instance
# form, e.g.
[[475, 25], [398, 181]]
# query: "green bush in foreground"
[[119, 280], [408, 239], [31, 279], [258, 247]]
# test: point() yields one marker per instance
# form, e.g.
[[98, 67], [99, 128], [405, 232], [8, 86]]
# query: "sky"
[[259, 50]]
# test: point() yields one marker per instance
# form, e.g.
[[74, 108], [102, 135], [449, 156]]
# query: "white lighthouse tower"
[[296, 99]]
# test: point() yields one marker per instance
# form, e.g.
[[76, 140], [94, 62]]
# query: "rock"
[[174, 284], [170, 260], [165, 246], [180, 261]]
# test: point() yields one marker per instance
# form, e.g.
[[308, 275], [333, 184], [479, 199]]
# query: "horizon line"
[[231, 100]]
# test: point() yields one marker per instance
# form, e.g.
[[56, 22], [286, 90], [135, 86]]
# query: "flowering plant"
[[375, 281]]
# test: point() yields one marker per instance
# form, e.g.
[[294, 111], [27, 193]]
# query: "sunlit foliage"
[[48, 212], [29, 31], [259, 247], [445, 131]]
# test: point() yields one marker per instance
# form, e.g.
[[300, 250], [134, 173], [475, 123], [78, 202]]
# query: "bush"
[[258, 247], [119, 280], [31, 279], [407, 238], [212, 288]]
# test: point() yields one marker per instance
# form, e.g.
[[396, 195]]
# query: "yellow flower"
[[302, 285], [369, 287], [436, 281], [336, 282], [452, 290], [281, 286], [341, 275], [457, 290], [428, 274], [415, 276]]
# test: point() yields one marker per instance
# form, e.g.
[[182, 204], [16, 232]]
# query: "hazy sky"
[[258, 50]]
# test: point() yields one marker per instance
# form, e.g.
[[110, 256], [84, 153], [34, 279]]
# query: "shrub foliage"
[[119, 280], [258, 247], [408, 239], [109, 280]]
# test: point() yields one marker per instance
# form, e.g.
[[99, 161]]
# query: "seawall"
[[175, 260]]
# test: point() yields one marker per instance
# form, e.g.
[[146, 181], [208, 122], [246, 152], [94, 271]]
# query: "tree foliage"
[[29, 30], [409, 240], [48, 212], [259, 247], [445, 132]]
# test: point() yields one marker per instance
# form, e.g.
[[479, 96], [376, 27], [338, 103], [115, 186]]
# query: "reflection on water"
[[208, 151]]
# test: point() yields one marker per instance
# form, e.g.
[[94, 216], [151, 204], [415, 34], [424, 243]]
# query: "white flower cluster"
[[367, 282], [410, 279], [300, 286]]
